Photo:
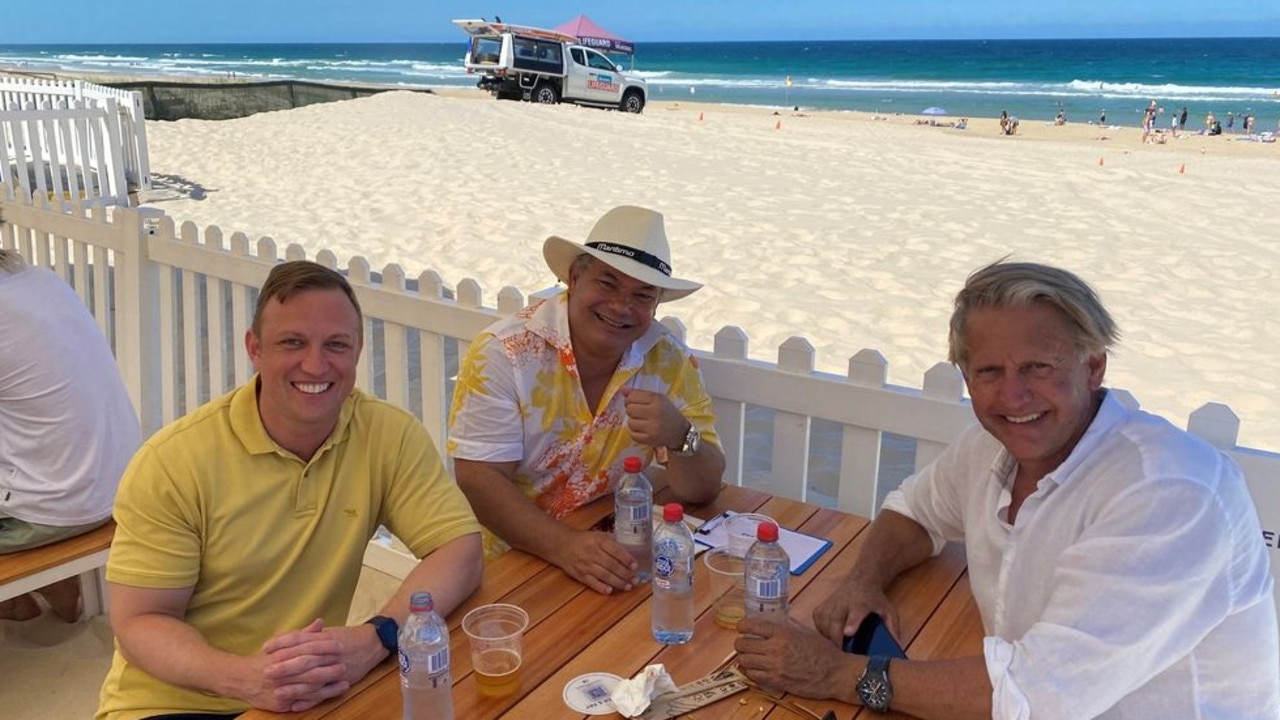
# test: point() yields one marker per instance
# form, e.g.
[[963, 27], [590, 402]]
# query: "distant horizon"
[[675, 21], [647, 40]]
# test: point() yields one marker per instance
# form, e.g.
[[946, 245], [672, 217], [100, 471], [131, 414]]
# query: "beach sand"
[[850, 231]]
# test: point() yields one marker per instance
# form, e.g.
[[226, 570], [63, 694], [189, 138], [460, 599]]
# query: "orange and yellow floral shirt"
[[518, 397]]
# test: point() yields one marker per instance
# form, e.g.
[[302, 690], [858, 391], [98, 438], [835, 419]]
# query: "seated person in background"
[[1117, 561], [962, 123], [1004, 122], [243, 525], [551, 401], [67, 425], [1061, 119]]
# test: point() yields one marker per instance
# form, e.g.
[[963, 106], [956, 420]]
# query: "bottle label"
[[665, 552], [766, 589], [438, 661], [636, 513], [631, 533], [662, 565]]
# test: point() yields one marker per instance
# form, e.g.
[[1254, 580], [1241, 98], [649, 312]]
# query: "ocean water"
[[1033, 79]]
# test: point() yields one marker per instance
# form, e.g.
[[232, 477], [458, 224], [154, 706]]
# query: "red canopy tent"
[[594, 36]]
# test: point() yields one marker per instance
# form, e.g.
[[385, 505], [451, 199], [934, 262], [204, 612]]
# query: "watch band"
[[874, 689], [388, 632]]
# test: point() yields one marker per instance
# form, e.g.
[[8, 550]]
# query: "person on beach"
[[242, 526], [551, 401], [1004, 122], [67, 425], [1116, 560]]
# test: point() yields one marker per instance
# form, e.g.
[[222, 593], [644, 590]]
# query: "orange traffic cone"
[[699, 117], [777, 125], [1100, 162], [1182, 169]]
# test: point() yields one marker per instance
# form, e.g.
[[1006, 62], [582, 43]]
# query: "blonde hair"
[[1021, 285]]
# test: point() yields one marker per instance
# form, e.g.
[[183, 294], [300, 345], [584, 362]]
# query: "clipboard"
[[802, 548]]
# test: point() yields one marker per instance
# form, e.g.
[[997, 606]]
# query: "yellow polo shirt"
[[267, 541]]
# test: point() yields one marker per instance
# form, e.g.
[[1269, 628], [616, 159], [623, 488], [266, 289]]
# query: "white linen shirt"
[[67, 426], [1134, 584]]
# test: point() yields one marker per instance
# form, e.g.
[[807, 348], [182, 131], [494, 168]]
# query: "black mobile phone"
[[604, 524], [873, 638]]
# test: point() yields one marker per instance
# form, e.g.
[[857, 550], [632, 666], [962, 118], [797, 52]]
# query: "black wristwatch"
[[874, 688], [388, 632], [692, 441]]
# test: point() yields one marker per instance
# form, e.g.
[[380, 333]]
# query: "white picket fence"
[[176, 302], [72, 139]]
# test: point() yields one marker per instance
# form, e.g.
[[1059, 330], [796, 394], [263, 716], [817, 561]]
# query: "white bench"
[[83, 555]]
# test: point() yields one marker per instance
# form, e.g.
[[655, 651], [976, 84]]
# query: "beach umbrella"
[[933, 110]]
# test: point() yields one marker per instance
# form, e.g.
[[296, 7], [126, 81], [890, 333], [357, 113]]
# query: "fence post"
[[791, 431], [1216, 423], [860, 448], [941, 382], [731, 415], [138, 319]]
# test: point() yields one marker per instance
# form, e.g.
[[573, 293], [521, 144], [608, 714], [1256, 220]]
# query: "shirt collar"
[[550, 321], [1111, 414], [247, 425]]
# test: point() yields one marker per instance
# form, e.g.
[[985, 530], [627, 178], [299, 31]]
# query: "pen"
[[712, 524]]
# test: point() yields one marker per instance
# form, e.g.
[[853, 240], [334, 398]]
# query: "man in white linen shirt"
[[1117, 561], [67, 426]]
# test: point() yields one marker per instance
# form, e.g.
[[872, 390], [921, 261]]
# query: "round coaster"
[[590, 693]]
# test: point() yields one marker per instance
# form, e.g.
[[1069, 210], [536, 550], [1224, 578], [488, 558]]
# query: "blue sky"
[[176, 21]]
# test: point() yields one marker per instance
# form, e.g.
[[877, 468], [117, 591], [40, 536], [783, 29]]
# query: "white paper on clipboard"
[[801, 548]]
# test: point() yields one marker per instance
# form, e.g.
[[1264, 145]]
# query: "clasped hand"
[[299, 669]]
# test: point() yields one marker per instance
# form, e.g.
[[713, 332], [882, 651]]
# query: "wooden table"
[[573, 630]]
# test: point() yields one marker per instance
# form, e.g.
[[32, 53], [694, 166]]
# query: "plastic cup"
[[496, 633], [726, 586], [741, 531]]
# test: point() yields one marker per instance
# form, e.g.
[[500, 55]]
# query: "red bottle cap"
[[672, 512], [632, 464], [767, 532]]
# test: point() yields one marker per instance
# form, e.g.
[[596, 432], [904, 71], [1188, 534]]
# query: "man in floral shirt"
[[549, 402]]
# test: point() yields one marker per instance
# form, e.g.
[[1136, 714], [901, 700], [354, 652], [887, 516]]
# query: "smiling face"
[[607, 311], [305, 351], [1032, 387]]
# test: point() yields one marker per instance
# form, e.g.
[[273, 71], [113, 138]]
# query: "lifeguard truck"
[[516, 62]]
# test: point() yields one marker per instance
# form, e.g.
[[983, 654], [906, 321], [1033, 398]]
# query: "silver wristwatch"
[[874, 688], [692, 440]]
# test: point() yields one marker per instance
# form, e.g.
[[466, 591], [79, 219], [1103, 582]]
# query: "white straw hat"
[[629, 239]]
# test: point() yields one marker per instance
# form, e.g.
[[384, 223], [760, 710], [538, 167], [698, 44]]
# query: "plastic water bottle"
[[767, 569], [672, 578], [633, 516], [425, 681]]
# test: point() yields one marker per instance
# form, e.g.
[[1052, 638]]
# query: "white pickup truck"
[[523, 63]]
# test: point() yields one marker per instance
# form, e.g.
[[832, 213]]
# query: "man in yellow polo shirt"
[[243, 525]]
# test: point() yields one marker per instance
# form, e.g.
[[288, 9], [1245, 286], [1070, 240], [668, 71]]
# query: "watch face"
[[874, 688], [875, 693]]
